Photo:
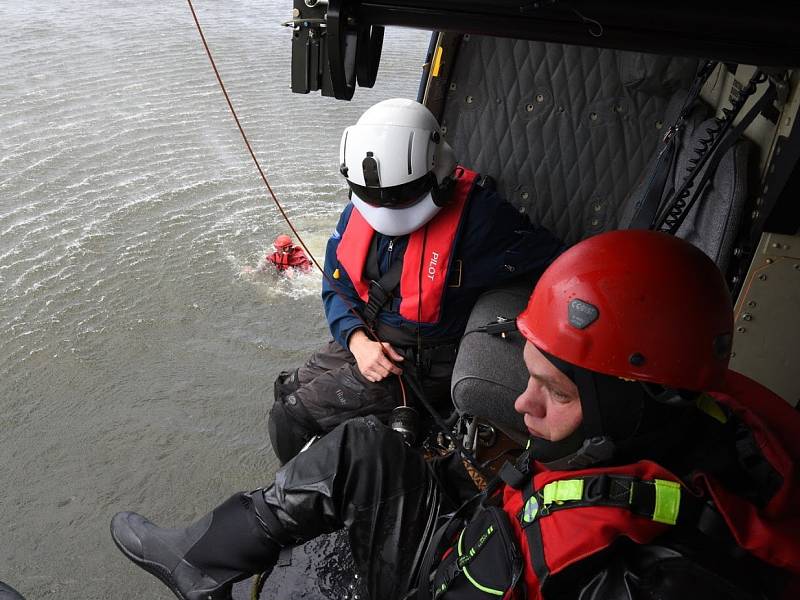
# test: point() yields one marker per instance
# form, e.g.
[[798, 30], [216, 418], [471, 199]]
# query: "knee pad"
[[286, 383], [286, 434]]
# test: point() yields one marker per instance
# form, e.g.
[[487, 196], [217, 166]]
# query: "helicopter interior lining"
[[570, 135]]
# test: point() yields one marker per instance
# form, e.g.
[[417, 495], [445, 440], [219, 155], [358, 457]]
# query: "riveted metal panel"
[[767, 327]]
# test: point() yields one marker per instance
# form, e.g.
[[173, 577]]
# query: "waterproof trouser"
[[329, 389], [363, 477]]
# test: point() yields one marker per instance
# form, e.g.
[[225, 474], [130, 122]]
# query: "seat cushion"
[[489, 372]]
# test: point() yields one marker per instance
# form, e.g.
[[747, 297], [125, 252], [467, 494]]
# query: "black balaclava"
[[622, 420]]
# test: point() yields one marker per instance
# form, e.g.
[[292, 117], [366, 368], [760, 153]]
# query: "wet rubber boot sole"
[[151, 567]]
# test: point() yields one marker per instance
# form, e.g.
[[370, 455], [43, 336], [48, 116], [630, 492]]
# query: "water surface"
[[136, 353]]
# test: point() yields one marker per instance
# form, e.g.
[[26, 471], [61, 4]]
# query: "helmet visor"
[[396, 196]]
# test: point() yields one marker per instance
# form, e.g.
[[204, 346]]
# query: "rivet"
[[453, 87], [659, 124], [776, 245], [797, 267], [733, 354], [740, 329], [443, 128], [747, 317], [469, 99], [466, 37], [560, 109], [770, 261], [597, 206], [636, 359], [296, 13], [762, 277], [593, 116], [524, 195], [540, 97], [752, 304], [499, 100], [529, 107], [595, 222]]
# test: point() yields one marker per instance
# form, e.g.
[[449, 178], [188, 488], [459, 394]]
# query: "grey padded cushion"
[[489, 372], [566, 131]]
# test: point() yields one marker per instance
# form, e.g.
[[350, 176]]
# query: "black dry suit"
[[360, 476], [392, 502]]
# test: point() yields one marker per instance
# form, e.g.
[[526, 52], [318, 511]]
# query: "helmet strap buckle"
[[441, 193], [594, 450]]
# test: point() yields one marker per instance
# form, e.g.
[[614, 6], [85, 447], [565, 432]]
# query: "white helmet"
[[397, 165]]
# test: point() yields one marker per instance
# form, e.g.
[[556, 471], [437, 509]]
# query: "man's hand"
[[374, 359]]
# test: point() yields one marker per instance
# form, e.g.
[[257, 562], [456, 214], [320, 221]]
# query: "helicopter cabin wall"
[[565, 131], [569, 135]]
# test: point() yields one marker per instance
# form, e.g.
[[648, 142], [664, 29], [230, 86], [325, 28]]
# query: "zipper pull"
[[391, 245]]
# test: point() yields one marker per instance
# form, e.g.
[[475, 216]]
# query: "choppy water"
[[136, 356]]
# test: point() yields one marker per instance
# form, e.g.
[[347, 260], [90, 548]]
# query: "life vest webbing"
[[660, 500], [533, 534]]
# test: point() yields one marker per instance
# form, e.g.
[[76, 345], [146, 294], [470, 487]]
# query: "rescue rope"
[[277, 203]]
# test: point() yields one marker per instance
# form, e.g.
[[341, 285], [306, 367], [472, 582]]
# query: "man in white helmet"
[[421, 238]]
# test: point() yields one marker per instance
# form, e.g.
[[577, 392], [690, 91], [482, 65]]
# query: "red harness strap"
[[429, 248]]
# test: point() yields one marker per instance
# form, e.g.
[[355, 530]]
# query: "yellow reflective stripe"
[[437, 61], [709, 406], [668, 501], [561, 491], [469, 577]]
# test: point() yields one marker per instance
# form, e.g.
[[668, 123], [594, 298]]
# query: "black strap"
[[267, 519], [382, 290], [533, 533], [766, 100], [709, 153], [443, 534], [647, 207]]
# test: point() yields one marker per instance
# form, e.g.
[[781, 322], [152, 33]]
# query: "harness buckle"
[[378, 297], [596, 488]]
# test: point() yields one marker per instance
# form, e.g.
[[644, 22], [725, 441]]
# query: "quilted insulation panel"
[[566, 131]]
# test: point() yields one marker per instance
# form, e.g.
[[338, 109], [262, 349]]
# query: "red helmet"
[[282, 241], [635, 304]]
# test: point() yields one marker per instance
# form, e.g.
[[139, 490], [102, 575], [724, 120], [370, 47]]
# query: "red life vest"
[[295, 258], [435, 240], [555, 527]]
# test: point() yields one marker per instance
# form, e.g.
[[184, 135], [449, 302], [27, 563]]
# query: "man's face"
[[550, 405]]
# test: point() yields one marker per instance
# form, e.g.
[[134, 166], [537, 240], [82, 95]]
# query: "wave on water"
[[292, 283]]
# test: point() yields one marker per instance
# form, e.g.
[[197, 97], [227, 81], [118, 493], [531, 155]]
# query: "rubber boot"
[[205, 559]]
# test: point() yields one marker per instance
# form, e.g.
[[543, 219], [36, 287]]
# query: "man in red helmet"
[[288, 256], [652, 470]]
